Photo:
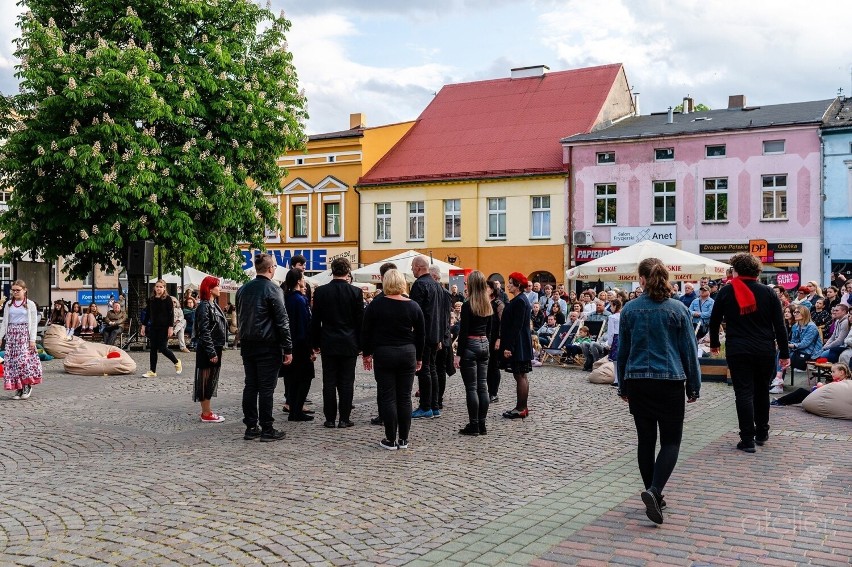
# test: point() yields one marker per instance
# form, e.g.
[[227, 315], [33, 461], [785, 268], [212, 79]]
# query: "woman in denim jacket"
[[657, 357], [805, 342]]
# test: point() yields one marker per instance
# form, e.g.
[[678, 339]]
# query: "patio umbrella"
[[623, 265], [371, 274]]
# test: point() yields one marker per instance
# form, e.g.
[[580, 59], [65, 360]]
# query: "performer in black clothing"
[[427, 293], [299, 374], [444, 356], [473, 352], [753, 327], [335, 332], [494, 357], [516, 343], [383, 269], [161, 314]]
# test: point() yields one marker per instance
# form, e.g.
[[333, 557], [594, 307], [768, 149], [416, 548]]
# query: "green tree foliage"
[[161, 120], [700, 107]]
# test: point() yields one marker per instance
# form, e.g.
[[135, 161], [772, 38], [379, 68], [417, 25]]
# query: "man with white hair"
[[426, 292]]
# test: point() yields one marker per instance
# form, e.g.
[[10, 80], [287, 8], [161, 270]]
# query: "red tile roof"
[[497, 128]]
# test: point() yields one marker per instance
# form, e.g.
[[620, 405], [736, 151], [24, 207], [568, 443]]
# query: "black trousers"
[[493, 371], [427, 380], [751, 375], [261, 364], [297, 379], [160, 343], [656, 471], [795, 397], [474, 371], [338, 380], [394, 371], [444, 367]]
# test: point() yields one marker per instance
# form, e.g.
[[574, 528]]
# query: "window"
[[716, 199], [664, 154], [383, 222], [541, 216], [300, 221], [606, 157], [300, 161], [416, 220], [331, 159], [452, 219], [54, 272], [664, 201], [5, 197], [88, 281], [715, 151], [497, 217], [773, 147], [332, 219], [6, 272], [774, 197], [605, 203]]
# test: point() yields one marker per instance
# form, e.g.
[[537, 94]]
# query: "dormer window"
[[605, 158]]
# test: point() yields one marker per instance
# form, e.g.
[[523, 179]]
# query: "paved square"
[[119, 470]]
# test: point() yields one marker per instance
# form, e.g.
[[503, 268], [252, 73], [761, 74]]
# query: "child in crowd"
[[839, 372], [575, 348]]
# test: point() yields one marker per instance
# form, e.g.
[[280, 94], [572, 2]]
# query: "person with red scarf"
[[755, 332]]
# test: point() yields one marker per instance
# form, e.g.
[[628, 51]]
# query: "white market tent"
[[623, 265], [193, 277], [370, 273]]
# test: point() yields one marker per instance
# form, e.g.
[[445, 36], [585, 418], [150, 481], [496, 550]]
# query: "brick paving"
[[118, 470]]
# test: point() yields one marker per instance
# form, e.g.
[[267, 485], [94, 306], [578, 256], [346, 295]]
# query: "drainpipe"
[[569, 236], [358, 240], [822, 197]]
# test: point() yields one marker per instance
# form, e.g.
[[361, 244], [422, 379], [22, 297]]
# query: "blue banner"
[[84, 298]]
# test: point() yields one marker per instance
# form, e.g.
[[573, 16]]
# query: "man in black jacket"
[[336, 332], [266, 344], [427, 293], [444, 357]]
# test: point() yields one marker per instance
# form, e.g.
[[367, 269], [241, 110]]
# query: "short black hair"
[[340, 267], [298, 259]]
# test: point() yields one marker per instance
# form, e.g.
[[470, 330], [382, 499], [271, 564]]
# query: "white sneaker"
[[778, 381], [26, 392], [777, 390], [178, 367], [17, 395], [150, 374]]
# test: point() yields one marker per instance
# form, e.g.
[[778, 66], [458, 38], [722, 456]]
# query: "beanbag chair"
[[96, 359], [603, 372], [832, 400], [56, 344]]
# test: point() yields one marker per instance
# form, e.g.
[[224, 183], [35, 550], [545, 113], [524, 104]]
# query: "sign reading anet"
[[629, 235]]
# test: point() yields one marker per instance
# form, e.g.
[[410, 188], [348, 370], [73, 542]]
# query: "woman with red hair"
[[211, 332], [516, 342]]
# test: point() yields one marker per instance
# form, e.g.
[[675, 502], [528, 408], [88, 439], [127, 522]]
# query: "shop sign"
[[317, 259], [589, 254], [629, 235], [84, 297], [788, 280], [735, 247]]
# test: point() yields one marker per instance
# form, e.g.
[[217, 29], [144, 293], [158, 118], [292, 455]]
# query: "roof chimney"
[[670, 117], [635, 104], [357, 120], [736, 101], [688, 105], [533, 71]]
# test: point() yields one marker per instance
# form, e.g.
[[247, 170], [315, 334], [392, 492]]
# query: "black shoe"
[[662, 502], [493, 399], [389, 445], [652, 507], [747, 447], [271, 435], [344, 423], [761, 440], [441, 405], [300, 417], [376, 420], [308, 411], [252, 433], [329, 424], [470, 429], [482, 429], [285, 409]]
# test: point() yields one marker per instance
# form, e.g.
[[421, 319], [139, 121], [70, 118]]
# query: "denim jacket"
[[656, 340], [704, 307], [806, 340]]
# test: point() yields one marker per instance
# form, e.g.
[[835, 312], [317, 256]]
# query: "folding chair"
[[561, 337]]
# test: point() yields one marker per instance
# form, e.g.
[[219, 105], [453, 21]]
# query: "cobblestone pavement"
[[119, 470]]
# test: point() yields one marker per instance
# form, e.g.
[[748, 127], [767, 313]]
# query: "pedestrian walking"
[[211, 332], [18, 331], [516, 343], [657, 358], [266, 345], [754, 325], [392, 341], [161, 315], [336, 322], [473, 352]]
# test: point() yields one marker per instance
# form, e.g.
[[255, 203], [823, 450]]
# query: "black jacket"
[[210, 327], [161, 311], [338, 314], [263, 318], [758, 333], [429, 296]]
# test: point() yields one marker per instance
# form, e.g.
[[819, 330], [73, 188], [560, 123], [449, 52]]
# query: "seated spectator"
[[58, 313], [700, 308], [537, 316], [92, 320], [832, 297], [805, 344], [592, 351], [545, 332], [576, 346], [72, 321], [557, 313], [556, 299], [839, 372], [599, 313], [179, 326], [820, 316], [802, 297], [115, 319], [189, 319], [836, 343], [688, 295]]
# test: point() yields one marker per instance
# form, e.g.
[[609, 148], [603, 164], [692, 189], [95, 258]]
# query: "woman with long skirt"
[[18, 329], [211, 331]]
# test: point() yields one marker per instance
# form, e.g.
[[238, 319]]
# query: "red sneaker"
[[212, 418]]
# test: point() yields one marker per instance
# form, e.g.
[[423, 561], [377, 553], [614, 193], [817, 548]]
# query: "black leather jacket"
[[210, 327], [263, 318]]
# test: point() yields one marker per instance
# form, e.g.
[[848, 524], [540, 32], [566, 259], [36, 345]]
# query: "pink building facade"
[[677, 181]]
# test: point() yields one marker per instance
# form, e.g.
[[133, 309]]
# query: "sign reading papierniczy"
[[589, 254]]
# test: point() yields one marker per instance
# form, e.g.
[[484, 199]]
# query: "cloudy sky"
[[386, 58]]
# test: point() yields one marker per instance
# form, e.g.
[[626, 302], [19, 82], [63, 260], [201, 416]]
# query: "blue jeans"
[[474, 371], [261, 364]]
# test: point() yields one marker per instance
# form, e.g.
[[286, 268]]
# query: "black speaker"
[[140, 258]]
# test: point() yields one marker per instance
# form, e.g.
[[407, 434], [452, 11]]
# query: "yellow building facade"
[[318, 206], [496, 226]]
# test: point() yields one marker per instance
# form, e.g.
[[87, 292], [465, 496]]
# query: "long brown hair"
[[477, 294], [23, 285], [656, 279]]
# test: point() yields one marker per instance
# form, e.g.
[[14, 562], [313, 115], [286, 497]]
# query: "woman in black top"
[[516, 343], [299, 374], [473, 349], [494, 357], [161, 315], [212, 335], [393, 332]]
